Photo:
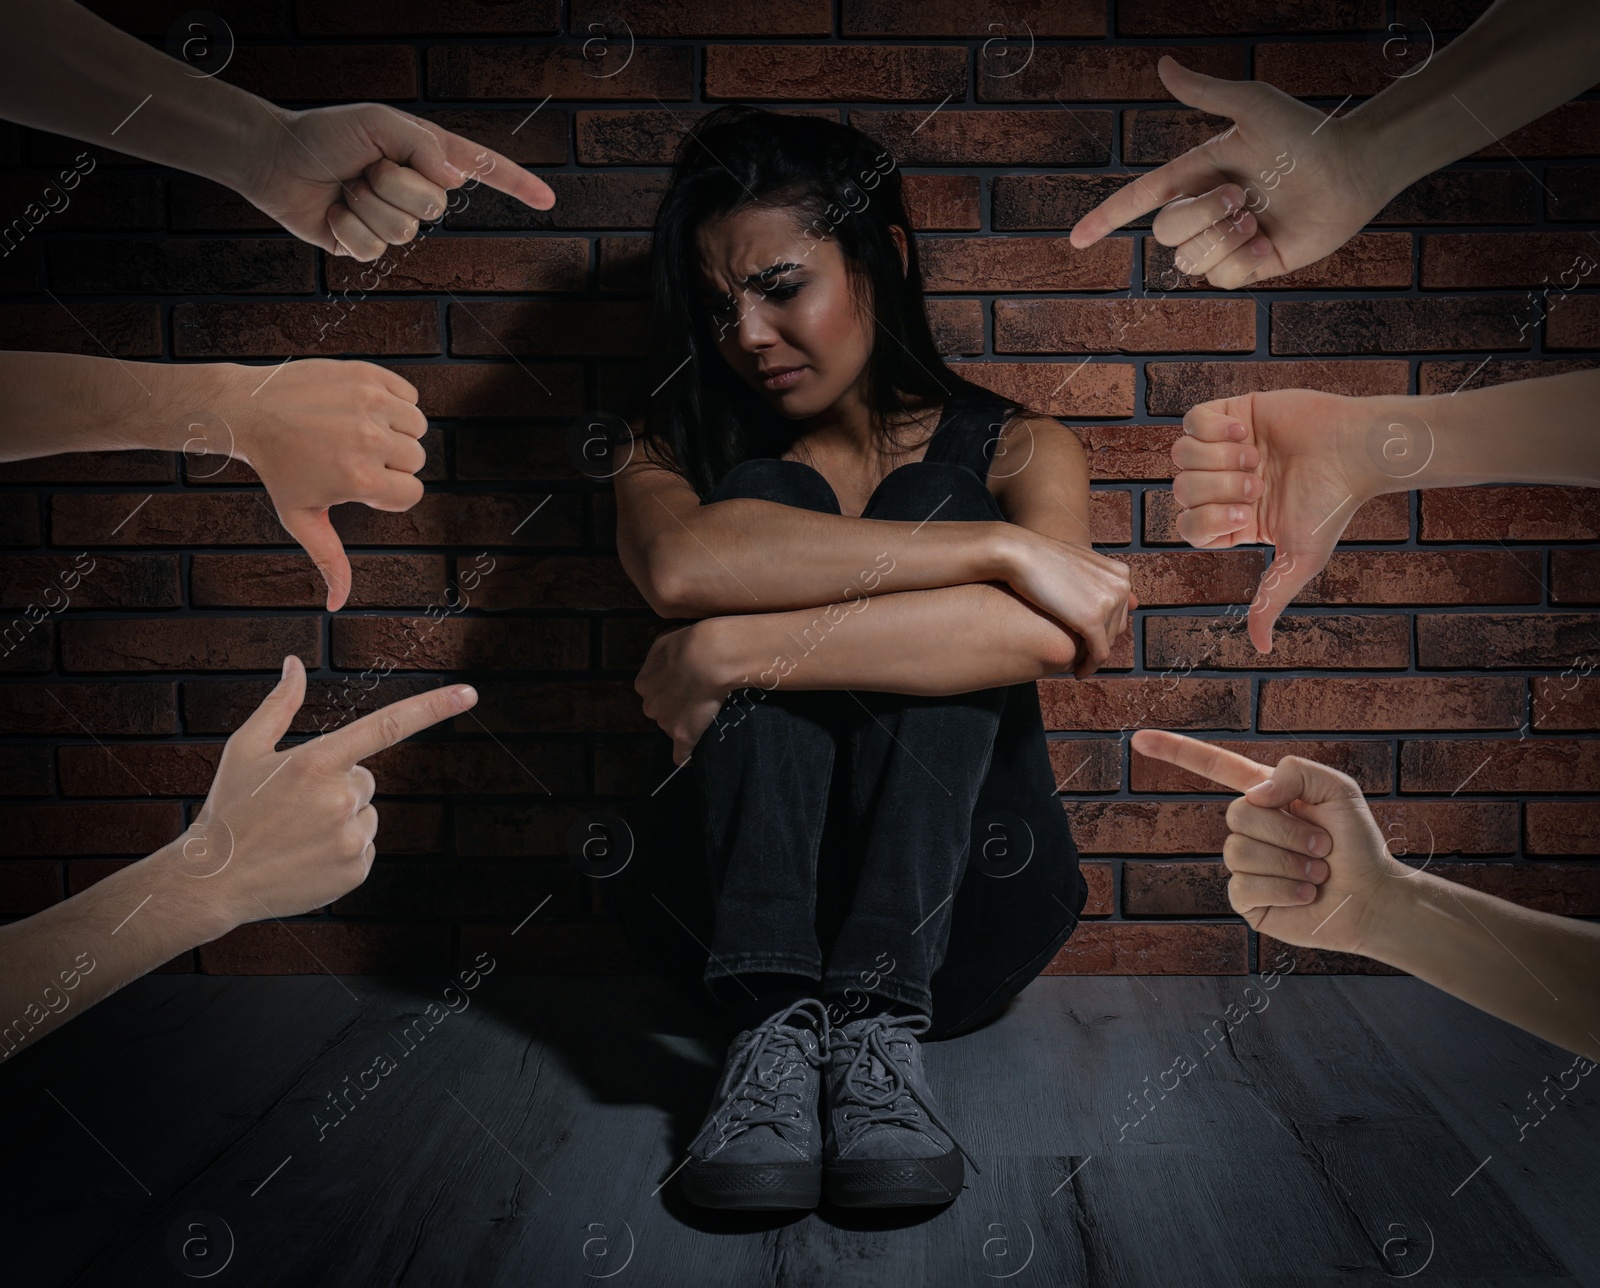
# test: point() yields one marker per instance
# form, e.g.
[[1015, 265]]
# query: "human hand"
[[1282, 187], [1285, 467], [1309, 862], [356, 179], [284, 832], [680, 692], [1086, 592], [321, 432]]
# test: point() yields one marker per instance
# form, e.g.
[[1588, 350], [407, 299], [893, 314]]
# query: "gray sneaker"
[[886, 1145], [761, 1143]]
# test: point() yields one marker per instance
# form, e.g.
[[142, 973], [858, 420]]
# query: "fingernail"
[[1261, 248], [1306, 891], [1306, 868], [1237, 513], [1237, 431], [1244, 459], [1252, 485], [285, 674], [464, 694], [1319, 845]]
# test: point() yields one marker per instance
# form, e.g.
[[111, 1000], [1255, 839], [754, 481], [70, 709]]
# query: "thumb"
[[1279, 585], [1296, 778], [1208, 93], [314, 531], [268, 723]]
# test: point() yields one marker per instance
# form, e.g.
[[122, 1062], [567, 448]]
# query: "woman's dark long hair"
[[835, 180]]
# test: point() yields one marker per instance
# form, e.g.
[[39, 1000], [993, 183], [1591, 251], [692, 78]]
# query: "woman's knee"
[[932, 490], [767, 478]]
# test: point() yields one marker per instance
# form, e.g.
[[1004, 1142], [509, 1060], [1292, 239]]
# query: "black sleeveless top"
[[969, 430]]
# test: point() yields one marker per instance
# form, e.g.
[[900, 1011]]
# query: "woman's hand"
[[1087, 593], [1288, 468], [1310, 865], [681, 690]]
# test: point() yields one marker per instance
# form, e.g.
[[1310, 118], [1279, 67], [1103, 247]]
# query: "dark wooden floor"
[[1354, 1131]]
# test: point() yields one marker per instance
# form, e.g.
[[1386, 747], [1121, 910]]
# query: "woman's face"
[[781, 306]]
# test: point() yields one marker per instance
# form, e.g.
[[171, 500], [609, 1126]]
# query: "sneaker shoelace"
[[887, 1098], [745, 1084]]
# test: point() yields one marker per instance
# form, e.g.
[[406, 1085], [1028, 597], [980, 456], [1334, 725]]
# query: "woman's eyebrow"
[[760, 275]]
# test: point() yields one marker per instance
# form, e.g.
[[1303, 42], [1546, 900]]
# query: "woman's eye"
[[785, 292]]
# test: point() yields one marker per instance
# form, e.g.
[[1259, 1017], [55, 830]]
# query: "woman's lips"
[[783, 379]]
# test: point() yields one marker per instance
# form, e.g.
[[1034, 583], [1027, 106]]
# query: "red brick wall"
[[1438, 659]]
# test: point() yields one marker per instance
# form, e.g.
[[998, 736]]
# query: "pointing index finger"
[[1178, 178], [1227, 768], [396, 722]]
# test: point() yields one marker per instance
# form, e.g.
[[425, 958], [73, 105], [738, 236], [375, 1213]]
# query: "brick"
[[957, 325], [480, 389], [867, 74], [1148, 827], [1119, 948], [1317, 961], [318, 73], [121, 330], [512, 453], [567, 706], [1174, 387], [942, 201], [590, 583], [608, 71], [107, 581], [1333, 69], [29, 886], [1417, 831], [584, 201], [1572, 193], [1566, 131], [1084, 388], [475, 520], [1175, 888], [1556, 261], [1039, 201], [419, 18], [1137, 702], [143, 769], [1384, 518], [94, 467], [1510, 513], [1095, 72], [1569, 701], [680, 18], [1401, 702], [1500, 765], [514, 767], [1128, 451], [1573, 321], [167, 518], [1298, 640], [1125, 326], [199, 205], [1177, 578], [301, 947], [1366, 261], [469, 264], [1426, 577], [453, 644], [99, 202], [1154, 136], [954, 18], [19, 519], [1483, 640], [649, 136], [1563, 827], [117, 707], [221, 706], [1463, 197], [1454, 377], [1024, 264], [497, 327], [42, 829], [189, 266], [189, 644], [1097, 876], [537, 140], [26, 771], [991, 138], [1575, 576], [325, 327], [1086, 764], [1410, 325], [516, 828], [1237, 17], [465, 889], [1369, 762], [555, 948], [292, 581]]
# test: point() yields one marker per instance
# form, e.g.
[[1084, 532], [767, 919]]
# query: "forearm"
[[1518, 61], [956, 639], [65, 959], [67, 71], [59, 402], [750, 556], [1536, 970], [1529, 431]]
